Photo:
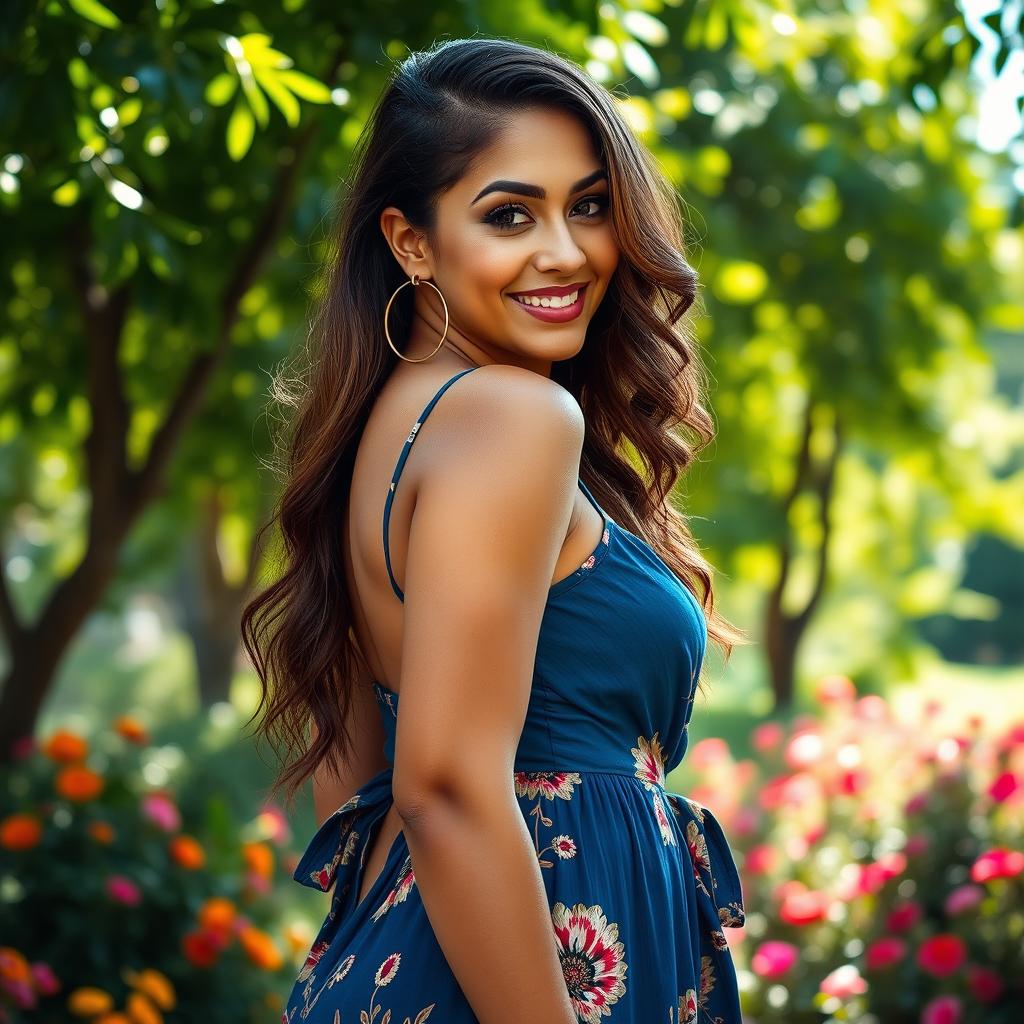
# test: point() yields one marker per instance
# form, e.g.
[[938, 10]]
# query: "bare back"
[[377, 611]]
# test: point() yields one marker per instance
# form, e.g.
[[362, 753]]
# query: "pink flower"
[[963, 898], [274, 824], [21, 992], [903, 917], [773, 959], [44, 979], [123, 890], [986, 986], [761, 859], [942, 955], [835, 689], [885, 952], [942, 1010], [708, 752], [997, 863], [872, 708], [917, 803], [1003, 787], [160, 810], [844, 982], [917, 844], [767, 737]]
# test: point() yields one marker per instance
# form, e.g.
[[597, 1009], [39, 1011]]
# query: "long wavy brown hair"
[[638, 378]]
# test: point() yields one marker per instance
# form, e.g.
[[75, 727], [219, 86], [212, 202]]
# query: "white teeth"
[[548, 301]]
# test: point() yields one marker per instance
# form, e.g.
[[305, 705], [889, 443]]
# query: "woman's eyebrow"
[[521, 188]]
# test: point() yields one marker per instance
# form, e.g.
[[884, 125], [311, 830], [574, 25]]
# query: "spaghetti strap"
[[406, 448], [400, 465]]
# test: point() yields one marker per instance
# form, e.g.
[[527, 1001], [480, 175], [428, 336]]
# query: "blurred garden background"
[[852, 173]]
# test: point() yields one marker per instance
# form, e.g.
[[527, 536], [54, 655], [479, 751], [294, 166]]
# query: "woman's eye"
[[502, 217]]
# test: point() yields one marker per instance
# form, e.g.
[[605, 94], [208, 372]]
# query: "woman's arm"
[[498, 482]]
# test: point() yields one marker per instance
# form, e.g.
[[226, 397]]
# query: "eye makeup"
[[496, 217]]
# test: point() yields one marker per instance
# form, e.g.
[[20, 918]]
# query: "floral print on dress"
[[687, 1011], [309, 998], [650, 770], [550, 785], [591, 956], [399, 891]]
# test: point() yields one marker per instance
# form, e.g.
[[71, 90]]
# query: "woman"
[[509, 852]]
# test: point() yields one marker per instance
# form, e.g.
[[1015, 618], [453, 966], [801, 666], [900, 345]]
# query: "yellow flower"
[[87, 1002]]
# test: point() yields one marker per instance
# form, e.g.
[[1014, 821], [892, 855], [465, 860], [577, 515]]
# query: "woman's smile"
[[551, 308]]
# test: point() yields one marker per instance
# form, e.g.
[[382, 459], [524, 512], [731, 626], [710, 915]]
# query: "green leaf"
[[94, 11], [221, 88], [257, 101], [305, 86], [280, 96], [241, 128]]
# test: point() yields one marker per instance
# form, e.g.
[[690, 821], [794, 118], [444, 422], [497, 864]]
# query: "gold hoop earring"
[[415, 281]]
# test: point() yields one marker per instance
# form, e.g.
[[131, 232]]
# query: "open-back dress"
[[640, 881]]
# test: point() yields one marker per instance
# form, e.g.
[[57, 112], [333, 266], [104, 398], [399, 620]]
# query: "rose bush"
[[881, 860]]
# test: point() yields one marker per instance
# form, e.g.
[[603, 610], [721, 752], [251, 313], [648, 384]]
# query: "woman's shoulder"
[[510, 399]]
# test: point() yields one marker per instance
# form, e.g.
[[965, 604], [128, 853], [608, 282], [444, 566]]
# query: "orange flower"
[[259, 858], [217, 915], [102, 832], [88, 1001], [78, 783], [141, 1010], [14, 966], [131, 729], [152, 983], [186, 852], [66, 747], [114, 1017], [20, 832], [260, 948]]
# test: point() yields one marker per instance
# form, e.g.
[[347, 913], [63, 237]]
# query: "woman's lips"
[[554, 315]]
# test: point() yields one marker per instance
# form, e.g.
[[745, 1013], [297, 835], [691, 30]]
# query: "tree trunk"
[[784, 629], [211, 607]]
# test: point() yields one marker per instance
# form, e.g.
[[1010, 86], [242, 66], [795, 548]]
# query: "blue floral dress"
[[640, 880]]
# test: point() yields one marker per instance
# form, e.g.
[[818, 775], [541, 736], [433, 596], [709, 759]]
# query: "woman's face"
[[531, 215]]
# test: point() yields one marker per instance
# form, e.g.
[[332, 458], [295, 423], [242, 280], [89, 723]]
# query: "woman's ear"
[[407, 244]]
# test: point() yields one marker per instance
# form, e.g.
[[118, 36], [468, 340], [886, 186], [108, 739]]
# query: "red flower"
[[1003, 787], [986, 986], [942, 955], [885, 952], [803, 906], [903, 917]]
